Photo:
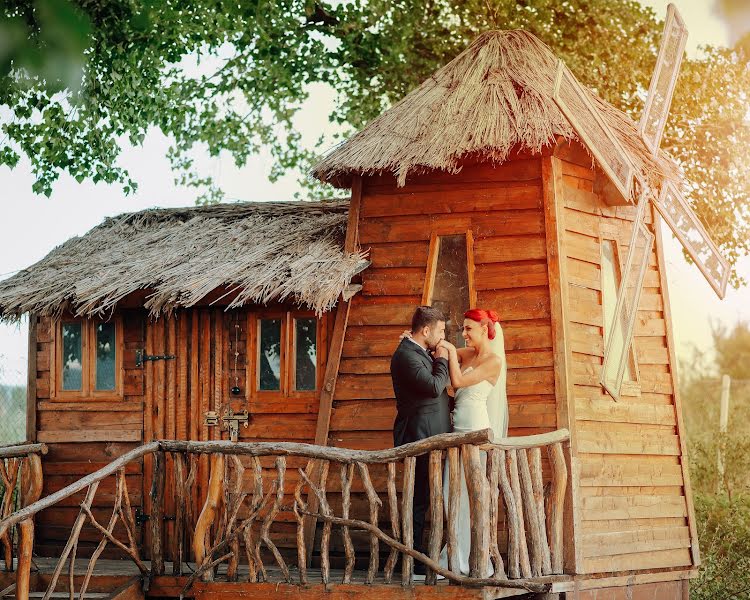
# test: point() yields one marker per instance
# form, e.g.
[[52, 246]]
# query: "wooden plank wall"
[[502, 207], [84, 436], [164, 399], [632, 502], [181, 391]]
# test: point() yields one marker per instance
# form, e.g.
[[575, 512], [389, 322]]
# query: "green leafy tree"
[[230, 77], [733, 350]]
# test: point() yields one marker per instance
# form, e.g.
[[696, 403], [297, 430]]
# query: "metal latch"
[[230, 420], [141, 357]]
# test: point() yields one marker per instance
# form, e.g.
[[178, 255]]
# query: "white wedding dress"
[[470, 413]]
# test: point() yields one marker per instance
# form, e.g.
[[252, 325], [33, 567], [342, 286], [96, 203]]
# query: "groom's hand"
[[441, 352], [446, 345]]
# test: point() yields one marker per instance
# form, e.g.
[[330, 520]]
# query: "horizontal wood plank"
[[606, 442], [629, 471], [597, 508], [486, 224], [638, 561], [419, 202], [509, 248], [90, 435], [500, 276], [406, 254], [588, 409]]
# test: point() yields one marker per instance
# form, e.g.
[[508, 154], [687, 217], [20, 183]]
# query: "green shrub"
[[724, 534]]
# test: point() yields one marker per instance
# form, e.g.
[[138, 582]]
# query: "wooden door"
[[184, 379]]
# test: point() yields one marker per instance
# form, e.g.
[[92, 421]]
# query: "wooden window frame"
[[293, 316], [632, 387], [432, 258], [88, 389], [287, 358], [255, 319]]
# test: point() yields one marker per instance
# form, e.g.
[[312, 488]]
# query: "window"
[[449, 284], [106, 354], [287, 353], [88, 362], [305, 354], [269, 354], [72, 357], [611, 277]]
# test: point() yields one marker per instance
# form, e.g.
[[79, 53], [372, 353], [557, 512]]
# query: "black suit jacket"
[[422, 401]]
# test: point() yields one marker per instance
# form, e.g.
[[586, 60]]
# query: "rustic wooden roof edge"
[[493, 98], [259, 251]]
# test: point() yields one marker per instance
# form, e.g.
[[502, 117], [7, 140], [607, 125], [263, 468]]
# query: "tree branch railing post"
[[20, 485], [514, 491]]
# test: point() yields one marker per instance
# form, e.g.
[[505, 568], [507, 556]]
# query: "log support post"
[[31, 483], [157, 513], [209, 512], [478, 491]]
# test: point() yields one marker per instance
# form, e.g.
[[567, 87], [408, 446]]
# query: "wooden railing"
[[20, 486], [235, 514]]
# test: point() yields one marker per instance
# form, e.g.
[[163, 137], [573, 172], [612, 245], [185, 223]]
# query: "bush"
[[724, 534]]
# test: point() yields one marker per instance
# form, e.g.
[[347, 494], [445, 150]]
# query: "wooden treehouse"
[[210, 408]]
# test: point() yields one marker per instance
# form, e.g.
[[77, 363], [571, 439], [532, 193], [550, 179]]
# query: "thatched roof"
[[258, 251], [496, 96]]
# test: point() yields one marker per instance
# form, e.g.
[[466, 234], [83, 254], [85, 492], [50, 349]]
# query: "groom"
[[420, 376]]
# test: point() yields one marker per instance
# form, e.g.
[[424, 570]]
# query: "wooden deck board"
[[111, 573]]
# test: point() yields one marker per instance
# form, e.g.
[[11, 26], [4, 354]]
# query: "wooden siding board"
[[695, 551], [556, 255], [31, 388], [632, 447]]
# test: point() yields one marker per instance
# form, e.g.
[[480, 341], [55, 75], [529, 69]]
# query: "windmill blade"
[[598, 137], [683, 222], [663, 80], [621, 328]]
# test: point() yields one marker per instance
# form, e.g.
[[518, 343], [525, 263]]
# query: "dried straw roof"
[[258, 251], [496, 96]]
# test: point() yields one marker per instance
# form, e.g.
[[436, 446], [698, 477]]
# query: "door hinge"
[[141, 518], [141, 357]]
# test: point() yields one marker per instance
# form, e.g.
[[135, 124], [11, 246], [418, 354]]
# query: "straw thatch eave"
[[260, 252], [493, 98]]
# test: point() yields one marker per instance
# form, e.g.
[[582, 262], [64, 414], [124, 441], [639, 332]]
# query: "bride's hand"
[[447, 345], [405, 334]]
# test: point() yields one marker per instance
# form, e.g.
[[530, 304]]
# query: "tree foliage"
[[230, 77]]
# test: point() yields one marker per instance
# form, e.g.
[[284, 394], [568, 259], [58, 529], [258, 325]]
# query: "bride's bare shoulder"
[[465, 354], [493, 361]]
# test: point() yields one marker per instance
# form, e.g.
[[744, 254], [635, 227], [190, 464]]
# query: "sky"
[[32, 225]]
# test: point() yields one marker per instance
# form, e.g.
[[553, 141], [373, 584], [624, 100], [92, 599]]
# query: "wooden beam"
[[325, 405], [31, 380], [681, 432], [352, 228], [554, 225]]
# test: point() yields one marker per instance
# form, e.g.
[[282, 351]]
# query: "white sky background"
[[31, 225]]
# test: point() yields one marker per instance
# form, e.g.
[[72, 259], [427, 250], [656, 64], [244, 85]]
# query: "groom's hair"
[[426, 316]]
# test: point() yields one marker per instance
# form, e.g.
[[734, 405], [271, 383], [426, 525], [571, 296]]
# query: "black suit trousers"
[[411, 428]]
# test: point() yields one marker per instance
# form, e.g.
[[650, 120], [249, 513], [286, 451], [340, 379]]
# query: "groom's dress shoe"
[[420, 572]]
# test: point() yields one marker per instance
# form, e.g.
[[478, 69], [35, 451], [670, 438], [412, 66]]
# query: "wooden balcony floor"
[[109, 574]]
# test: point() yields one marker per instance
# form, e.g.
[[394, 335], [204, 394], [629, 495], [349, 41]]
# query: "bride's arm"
[[464, 354], [489, 370]]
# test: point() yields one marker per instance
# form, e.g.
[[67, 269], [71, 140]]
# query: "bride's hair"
[[484, 317]]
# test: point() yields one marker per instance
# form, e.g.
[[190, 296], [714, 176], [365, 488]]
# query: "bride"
[[478, 374]]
